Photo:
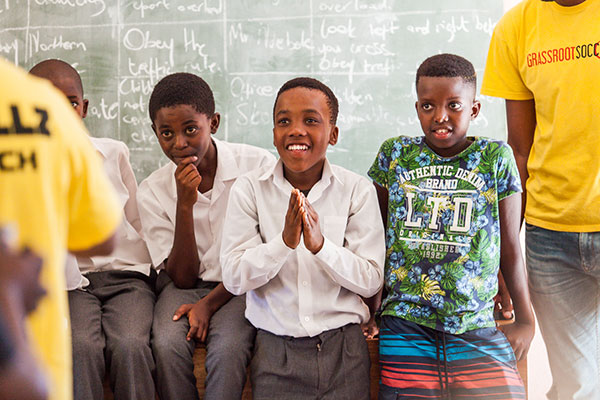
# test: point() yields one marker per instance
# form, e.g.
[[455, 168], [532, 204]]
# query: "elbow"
[[235, 290], [107, 247], [182, 282], [228, 282], [103, 249], [372, 285], [370, 292], [183, 276]]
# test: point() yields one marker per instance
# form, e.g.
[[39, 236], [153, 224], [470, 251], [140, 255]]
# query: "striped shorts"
[[421, 363]]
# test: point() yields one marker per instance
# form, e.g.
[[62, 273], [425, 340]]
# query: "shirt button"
[[304, 283], [307, 319]]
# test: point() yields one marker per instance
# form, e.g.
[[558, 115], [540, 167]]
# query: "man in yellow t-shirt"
[[544, 59], [54, 192]]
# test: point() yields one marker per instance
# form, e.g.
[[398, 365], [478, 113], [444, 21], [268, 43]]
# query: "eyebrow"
[[307, 110], [186, 122]]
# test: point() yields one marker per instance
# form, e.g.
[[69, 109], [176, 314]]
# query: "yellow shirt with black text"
[[54, 191], [551, 53]]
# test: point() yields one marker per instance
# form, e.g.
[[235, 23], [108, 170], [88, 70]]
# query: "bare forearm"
[[183, 263], [217, 298], [374, 302], [521, 123], [513, 271], [101, 249], [511, 259]]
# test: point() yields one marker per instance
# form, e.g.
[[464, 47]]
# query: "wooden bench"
[[373, 344]]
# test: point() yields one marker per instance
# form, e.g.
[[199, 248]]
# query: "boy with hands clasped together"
[[452, 207], [302, 221], [304, 241]]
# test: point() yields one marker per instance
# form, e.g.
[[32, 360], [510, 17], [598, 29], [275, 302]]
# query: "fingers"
[[188, 174], [292, 229], [186, 161], [294, 204], [518, 350], [204, 334], [197, 330], [504, 298], [181, 311], [310, 213], [192, 332]]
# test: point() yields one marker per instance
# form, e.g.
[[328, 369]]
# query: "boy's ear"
[[417, 105], [215, 120], [86, 102], [333, 135], [154, 128], [475, 109]]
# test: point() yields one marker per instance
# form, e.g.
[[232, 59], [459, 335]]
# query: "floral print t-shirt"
[[443, 230]]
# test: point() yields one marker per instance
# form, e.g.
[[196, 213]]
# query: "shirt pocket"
[[334, 229]]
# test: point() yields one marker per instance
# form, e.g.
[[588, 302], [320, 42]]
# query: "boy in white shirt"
[[182, 206], [304, 240], [111, 298]]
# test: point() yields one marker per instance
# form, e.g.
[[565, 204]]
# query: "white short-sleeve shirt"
[[157, 200]]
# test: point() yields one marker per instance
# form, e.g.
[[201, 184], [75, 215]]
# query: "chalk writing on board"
[[367, 51]]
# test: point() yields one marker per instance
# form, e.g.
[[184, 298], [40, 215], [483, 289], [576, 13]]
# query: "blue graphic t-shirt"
[[443, 230]]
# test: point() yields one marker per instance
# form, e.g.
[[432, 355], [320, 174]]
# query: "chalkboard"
[[366, 51]]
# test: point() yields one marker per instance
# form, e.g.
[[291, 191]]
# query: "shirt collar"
[[276, 172], [227, 165], [227, 168]]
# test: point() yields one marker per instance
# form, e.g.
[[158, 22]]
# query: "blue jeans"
[[564, 281]]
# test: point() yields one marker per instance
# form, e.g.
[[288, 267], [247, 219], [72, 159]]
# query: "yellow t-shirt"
[[550, 53], [53, 190]]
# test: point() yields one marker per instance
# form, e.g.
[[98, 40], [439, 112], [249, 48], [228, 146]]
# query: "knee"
[[170, 343], [229, 352], [85, 347], [128, 346]]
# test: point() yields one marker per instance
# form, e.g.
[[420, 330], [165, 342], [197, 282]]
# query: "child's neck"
[[447, 153], [304, 180], [208, 169]]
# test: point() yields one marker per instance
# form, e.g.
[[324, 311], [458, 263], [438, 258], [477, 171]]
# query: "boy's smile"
[[301, 134], [445, 108], [183, 132]]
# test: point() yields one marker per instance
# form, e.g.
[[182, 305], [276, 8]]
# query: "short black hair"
[[314, 84], [52, 69], [182, 88], [448, 66]]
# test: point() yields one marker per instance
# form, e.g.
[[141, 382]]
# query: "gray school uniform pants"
[[228, 345], [110, 323], [332, 365]]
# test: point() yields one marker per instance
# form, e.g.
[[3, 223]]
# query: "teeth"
[[294, 147], [442, 130]]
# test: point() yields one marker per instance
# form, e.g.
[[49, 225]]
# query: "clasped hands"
[[301, 219]]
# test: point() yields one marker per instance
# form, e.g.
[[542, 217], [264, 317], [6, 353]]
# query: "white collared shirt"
[[130, 253], [157, 200], [292, 291]]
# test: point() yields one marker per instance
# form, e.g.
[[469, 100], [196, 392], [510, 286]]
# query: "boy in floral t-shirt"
[[452, 207]]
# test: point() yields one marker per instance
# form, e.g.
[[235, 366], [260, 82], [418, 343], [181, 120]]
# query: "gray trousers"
[[332, 365], [110, 324], [228, 345]]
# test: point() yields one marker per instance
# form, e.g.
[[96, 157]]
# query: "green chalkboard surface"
[[366, 51]]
